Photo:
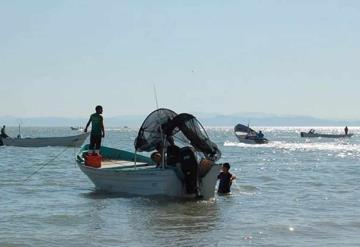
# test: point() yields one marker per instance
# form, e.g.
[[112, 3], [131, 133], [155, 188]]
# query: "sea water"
[[290, 192]]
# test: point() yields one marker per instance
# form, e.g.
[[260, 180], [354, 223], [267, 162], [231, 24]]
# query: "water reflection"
[[178, 220], [151, 218]]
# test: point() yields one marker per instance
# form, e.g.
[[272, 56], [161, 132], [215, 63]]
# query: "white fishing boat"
[[248, 135], [68, 141], [182, 164], [312, 133]]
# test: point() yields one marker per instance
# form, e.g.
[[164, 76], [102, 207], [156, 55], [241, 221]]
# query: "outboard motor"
[[190, 169]]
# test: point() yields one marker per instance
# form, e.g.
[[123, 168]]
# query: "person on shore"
[[346, 130], [226, 179], [97, 130]]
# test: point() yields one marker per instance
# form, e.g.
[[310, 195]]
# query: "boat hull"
[[149, 181], [251, 139], [311, 135], [70, 141], [144, 178]]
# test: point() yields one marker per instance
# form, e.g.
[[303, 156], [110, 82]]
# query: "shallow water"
[[290, 192]]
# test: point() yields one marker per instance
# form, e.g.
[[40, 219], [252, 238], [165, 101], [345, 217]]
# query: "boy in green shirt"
[[97, 129]]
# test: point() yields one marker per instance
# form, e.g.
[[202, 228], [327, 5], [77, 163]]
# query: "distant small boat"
[[76, 128], [312, 133], [70, 141], [248, 135]]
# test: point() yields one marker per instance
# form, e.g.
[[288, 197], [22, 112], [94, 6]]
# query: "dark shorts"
[[95, 142]]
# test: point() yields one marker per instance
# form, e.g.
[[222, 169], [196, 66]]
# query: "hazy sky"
[[62, 58]]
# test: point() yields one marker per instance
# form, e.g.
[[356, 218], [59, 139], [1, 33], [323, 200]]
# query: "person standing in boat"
[[346, 130], [3, 134], [97, 129], [226, 179]]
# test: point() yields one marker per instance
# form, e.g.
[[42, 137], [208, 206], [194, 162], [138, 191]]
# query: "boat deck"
[[108, 163]]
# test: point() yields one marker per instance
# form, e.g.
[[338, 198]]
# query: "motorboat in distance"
[[76, 128], [248, 135], [66, 141], [182, 165], [312, 133]]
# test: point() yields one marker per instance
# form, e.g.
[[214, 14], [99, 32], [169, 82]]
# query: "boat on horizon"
[[312, 133], [66, 141], [182, 163], [249, 136]]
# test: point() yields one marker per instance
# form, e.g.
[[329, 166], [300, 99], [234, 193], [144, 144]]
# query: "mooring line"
[[48, 162]]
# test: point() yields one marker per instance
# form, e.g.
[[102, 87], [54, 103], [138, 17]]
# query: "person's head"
[[156, 157], [3, 126], [260, 131], [99, 109], [226, 167]]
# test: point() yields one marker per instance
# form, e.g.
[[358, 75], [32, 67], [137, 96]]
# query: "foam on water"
[[300, 146]]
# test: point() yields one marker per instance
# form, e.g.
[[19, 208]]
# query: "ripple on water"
[[292, 190]]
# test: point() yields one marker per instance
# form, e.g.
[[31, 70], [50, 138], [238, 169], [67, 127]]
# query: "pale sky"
[[62, 58]]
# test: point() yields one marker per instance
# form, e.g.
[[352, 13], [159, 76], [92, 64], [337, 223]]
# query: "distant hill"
[[254, 119]]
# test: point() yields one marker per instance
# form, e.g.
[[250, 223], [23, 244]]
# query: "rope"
[[46, 163]]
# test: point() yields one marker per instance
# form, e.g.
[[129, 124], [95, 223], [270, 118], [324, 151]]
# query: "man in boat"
[[260, 135], [97, 129], [173, 154], [346, 130], [226, 179], [3, 134]]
